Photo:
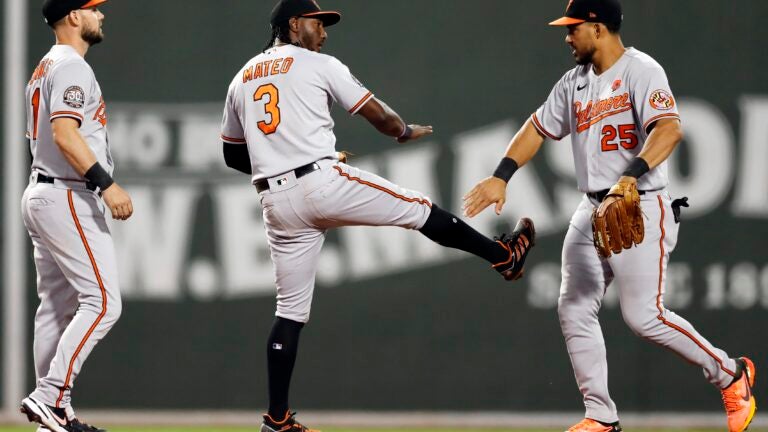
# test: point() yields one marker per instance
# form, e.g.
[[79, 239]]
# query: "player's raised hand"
[[417, 131], [491, 190], [118, 201]]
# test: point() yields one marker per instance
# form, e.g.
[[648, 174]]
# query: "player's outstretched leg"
[[506, 254], [738, 398]]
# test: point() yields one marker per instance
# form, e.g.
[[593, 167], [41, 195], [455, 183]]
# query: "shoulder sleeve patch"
[[661, 100], [74, 96]]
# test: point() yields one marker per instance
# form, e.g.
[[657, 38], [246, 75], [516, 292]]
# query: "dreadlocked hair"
[[280, 31]]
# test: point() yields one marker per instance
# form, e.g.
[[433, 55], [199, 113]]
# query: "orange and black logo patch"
[[661, 100]]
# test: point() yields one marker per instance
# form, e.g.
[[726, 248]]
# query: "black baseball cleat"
[[76, 425], [518, 244], [289, 424], [53, 419]]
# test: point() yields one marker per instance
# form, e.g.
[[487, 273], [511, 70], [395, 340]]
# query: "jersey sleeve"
[[652, 97], [231, 128], [345, 89], [552, 118], [71, 85]]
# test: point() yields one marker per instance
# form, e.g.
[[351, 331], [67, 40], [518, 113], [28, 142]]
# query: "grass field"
[[255, 429]]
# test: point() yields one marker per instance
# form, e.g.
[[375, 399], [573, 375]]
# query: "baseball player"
[[277, 127], [64, 213], [619, 111]]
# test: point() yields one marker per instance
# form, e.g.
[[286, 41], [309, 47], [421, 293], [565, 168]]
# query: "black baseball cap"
[[601, 11], [286, 9], [54, 10]]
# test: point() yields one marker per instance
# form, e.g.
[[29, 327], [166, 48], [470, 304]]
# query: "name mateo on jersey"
[[267, 68], [593, 112]]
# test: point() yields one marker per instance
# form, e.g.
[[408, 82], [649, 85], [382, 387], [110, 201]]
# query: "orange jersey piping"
[[103, 297], [541, 129], [382, 188], [660, 317], [360, 103], [233, 140], [660, 116]]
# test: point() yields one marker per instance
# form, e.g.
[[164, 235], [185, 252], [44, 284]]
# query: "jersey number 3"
[[626, 134], [270, 107]]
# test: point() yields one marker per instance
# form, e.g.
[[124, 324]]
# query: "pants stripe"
[[103, 298], [382, 188], [660, 317]]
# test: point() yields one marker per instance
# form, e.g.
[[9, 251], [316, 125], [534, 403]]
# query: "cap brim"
[[92, 3], [328, 18], [566, 21]]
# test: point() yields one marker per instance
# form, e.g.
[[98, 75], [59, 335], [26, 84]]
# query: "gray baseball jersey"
[[73, 250], [286, 94], [279, 106], [64, 85], [608, 117]]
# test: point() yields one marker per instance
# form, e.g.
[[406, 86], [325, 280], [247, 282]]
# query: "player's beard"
[[92, 36], [586, 58]]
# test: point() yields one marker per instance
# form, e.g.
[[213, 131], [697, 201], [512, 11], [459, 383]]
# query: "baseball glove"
[[343, 155], [618, 223]]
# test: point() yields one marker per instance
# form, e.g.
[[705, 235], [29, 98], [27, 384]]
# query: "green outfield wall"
[[398, 323]]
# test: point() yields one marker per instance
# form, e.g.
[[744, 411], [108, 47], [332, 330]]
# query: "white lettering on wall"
[[169, 157], [151, 246], [709, 141], [752, 184]]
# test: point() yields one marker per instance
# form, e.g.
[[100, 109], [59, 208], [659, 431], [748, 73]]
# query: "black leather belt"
[[599, 196], [41, 178], [263, 184]]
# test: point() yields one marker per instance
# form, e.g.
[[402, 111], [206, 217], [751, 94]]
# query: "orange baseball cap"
[[602, 11]]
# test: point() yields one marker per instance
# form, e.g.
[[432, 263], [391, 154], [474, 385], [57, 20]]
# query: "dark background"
[[447, 336]]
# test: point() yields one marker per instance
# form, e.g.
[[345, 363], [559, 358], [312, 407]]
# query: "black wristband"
[[407, 131], [97, 175], [637, 168], [506, 169]]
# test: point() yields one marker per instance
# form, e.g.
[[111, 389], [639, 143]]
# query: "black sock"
[[740, 366], [282, 346], [448, 230]]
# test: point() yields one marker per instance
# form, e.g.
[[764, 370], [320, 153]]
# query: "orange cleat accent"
[[589, 425], [738, 398], [289, 424], [518, 244]]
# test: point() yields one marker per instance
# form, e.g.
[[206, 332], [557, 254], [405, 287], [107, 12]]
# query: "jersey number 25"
[[270, 107], [626, 134]]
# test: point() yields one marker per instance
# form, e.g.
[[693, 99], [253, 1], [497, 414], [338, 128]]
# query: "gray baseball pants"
[[76, 282], [639, 276]]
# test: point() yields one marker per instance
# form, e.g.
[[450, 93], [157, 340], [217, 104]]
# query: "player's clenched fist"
[[118, 201], [491, 190]]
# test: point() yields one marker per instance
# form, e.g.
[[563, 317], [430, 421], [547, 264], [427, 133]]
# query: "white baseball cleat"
[[41, 413]]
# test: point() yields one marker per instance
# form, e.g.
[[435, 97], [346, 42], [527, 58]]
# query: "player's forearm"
[[382, 117], [661, 142], [73, 146], [525, 144]]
